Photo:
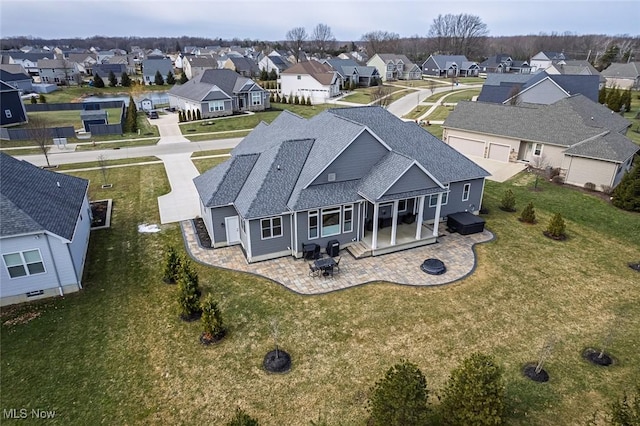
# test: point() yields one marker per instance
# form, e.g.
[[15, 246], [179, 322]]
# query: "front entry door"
[[232, 227]]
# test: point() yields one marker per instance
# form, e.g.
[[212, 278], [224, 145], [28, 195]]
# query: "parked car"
[[153, 114]]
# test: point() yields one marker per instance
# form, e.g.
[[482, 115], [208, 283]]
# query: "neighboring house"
[[85, 61], [244, 66], [29, 61], [151, 66], [581, 137], [496, 64], [394, 67], [449, 66], [103, 71], [273, 62], [310, 79], [13, 111], [539, 88], [357, 176], [543, 60], [576, 68], [59, 71], [624, 76], [18, 79], [129, 61], [218, 93], [44, 236], [194, 65], [350, 71]]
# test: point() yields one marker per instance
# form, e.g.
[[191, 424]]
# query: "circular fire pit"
[[433, 267]]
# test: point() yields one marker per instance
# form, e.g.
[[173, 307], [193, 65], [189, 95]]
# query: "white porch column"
[[419, 219], [394, 222], [374, 237], [436, 220]]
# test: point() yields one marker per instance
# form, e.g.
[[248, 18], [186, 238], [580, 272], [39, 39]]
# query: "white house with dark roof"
[[217, 93], [394, 67], [584, 139], [357, 176], [350, 71], [310, 79], [544, 59], [45, 220]]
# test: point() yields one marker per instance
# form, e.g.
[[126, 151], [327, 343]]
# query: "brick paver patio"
[[455, 250]]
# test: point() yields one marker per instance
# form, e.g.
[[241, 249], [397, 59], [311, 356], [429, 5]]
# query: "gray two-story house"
[[358, 176]]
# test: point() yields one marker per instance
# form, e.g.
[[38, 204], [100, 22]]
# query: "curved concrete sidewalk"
[[403, 267]]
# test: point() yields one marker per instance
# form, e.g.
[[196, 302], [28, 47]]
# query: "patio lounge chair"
[[313, 271]]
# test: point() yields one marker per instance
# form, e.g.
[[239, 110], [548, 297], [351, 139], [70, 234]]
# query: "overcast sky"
[[270, 20]]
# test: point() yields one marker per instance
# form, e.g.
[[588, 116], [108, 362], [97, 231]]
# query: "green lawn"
[[435, 130], [116, 352], [422, 84], [363, 94], [440, 113], [71, 118], [75, 94]]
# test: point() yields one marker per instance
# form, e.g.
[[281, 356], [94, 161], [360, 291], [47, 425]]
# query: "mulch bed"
[[593, 356], [209, 339], [553, 237], [277, 361], [201, 232], [634, 265], [190, 318], [530, 372], [99, 213]]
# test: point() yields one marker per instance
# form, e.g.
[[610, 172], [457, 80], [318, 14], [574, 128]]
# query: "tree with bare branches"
[[40, 133], [296, 38], [461, 34], [381, 42], [381, 96], [322, 38]]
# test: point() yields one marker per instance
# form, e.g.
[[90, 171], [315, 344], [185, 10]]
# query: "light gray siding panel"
[[260, 247], [546, 92], [217, 218], [355, 161], [414, 179], [78, 246]]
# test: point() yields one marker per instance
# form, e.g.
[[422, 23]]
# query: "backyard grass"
[[116, 352], [70, 118], [435, 130], [423, 84], [75, 94], [440, 113]]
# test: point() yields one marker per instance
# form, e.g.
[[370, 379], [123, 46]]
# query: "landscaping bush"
[[242, 419], [556, 228], [625, 412], [34, 100], [188, 115], [590, 186], [171, 266], [188, 291], [553, 172], [211, 319], [42, 99], [198, 115], [475, 393], [400, 398], [528, 214], [558, 180], [607, 189], [626, 196], [309, 101], [508, 202]]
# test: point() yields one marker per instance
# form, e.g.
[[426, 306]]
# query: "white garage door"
[[467, 146], [499, 152]]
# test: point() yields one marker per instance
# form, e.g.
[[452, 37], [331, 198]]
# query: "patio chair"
[[328, 272], [313, 271], [337, 266]]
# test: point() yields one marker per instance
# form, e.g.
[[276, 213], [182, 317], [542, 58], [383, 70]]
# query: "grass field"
[[363, 94], [75, 94], [71, 118], [435, 130], [116, 352]]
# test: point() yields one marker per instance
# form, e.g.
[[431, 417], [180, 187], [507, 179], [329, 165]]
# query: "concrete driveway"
[[500, 171]]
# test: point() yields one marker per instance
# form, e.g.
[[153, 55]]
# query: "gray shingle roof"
[[611, 147], [32, 201], [220, 185], [303, 148], [630, 70], [444, 61], [227, 81]]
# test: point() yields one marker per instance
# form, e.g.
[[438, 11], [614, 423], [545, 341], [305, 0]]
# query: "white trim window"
[[402, 206], [330, 221], [215, 106], [433, 199], [466, 190], [313, 224], [537, 149], [23, 263], [271, 227], [256, 98], [347, 223]]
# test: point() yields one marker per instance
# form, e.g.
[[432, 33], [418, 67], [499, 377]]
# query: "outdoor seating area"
[[324, 266]]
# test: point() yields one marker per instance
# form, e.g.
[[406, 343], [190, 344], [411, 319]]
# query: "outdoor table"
[[325, 264]]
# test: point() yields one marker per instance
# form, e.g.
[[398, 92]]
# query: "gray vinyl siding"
[[428, 65], [217, 220], [343, 238], [547, 92], [228, 109], [413, 180], [56, 259], [205, 212], [78, 246], [260, 247], [355, 161], [454, 202]]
